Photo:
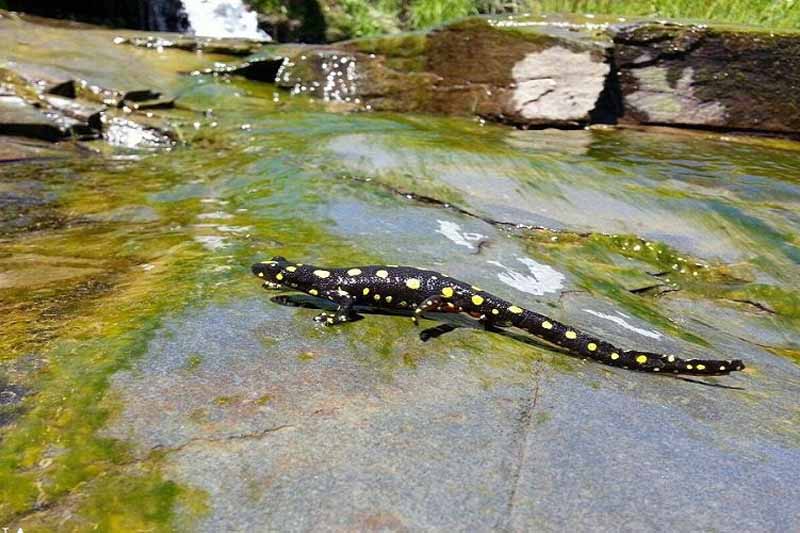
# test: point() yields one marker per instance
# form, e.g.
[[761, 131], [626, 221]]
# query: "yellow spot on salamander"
[[377, 297], [701, 367], [671, 358], [641, 359], [365, 291], [689, 367], [571, 335], [279, 276], [495, 312], [412, 283], [403, 304], [260, 274], [547, 325], [313, 292], [447, 292], [382, 274], [591, 347], [514, 309], [477, 299], [353, 272], [614, 356], [291, 269], [388, 299], [322, 273]]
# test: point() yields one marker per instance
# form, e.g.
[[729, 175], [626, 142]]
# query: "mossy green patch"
[[225, 401], [595, 259], [791, 353], [264, 399], [65, 414], [193, 361], [403, 52]]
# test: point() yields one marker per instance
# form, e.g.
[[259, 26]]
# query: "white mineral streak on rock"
[[620, 320], [222, 215], [452, 231], [674, 103], [211, 242], [557, 85], [542, 278]]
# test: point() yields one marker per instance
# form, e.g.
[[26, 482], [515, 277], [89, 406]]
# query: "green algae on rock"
[[132, 310]]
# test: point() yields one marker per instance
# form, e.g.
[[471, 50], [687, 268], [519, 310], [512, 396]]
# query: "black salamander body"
[[419, 291]]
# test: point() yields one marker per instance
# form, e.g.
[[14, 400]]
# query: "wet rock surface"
[[148, 383], [557, 71], [18, 118], [472, 67], [211, 45], [65, 81], [732, 78]]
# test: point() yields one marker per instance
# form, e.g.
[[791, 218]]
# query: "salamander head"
[[273, 272]]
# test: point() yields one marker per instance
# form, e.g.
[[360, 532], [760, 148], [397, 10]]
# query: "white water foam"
[[540, 280], [223, 18], [625, 324]]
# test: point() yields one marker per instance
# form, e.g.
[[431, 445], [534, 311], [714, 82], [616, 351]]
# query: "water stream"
[[149, 383]]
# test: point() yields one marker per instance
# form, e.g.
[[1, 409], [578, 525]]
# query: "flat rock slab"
[[21, 119], [22, 149], [289, 427], [54, 55], [192, 43]]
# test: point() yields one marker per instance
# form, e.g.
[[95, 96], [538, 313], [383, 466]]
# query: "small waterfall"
[[223, 18]]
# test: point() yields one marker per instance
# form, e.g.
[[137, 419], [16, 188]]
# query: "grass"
[[772, 13], [359, 18]]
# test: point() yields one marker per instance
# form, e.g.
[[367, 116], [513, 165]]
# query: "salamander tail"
[[655, 362], [580, 343]]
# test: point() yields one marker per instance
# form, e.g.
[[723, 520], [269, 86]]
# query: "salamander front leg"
[[434, 303], [344, 312]]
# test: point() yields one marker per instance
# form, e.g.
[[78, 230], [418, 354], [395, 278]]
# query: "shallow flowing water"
[[148, 381]]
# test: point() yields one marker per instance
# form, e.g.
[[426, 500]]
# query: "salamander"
[[405, 288]]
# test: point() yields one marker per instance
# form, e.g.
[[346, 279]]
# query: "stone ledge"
[[563, 72]]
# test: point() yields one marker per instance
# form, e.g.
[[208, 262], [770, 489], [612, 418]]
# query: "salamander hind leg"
[[344, 312]]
